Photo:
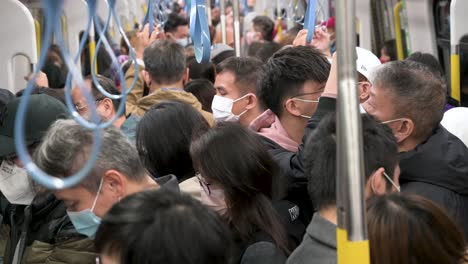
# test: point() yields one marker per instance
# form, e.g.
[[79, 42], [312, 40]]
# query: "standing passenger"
[[37, 221], [381, 176], [239, 180]]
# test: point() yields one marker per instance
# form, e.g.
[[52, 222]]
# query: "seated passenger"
[[36, 220], [117, 172], [410, 229], [165, 74], [162, 227], [203, 90], [167, 151], [240, 181], [236, 98], [381, 170], [410, 99], [106, 107]]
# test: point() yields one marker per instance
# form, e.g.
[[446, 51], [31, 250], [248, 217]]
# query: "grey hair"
[[66, 148], [418, 93]]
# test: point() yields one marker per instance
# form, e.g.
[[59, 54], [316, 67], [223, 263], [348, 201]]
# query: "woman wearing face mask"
[[238, 179]]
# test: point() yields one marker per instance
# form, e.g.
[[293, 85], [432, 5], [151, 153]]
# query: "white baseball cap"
[[366, 62], [455, 122]]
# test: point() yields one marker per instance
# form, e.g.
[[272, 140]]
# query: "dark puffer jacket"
[[438, 170]]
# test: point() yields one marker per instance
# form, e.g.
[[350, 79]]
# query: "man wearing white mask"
[[176, 29], [236, 98], [36, 222]]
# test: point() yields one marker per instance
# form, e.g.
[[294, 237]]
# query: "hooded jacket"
[[292, 163], [145, 103], [438, 170]]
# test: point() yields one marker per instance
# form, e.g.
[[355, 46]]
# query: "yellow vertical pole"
[[398, 37], [37, 26], [455, 76]]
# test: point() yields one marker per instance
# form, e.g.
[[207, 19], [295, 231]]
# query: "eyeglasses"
[[391, 181], [204, 185], [295, 97], [82, 108]]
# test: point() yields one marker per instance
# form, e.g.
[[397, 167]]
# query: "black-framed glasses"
[[204, 185]]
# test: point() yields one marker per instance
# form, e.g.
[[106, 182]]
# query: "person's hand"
[[41, 79], [300, 39], [331, 88], [144, 39], [320, 41]]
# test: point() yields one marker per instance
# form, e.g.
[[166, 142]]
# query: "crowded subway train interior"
[[234, 131]]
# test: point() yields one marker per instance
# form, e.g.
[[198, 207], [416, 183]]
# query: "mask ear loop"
[[52, 14], [97, 195]]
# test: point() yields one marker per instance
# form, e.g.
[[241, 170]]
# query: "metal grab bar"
[[398, 37], [352, 240]]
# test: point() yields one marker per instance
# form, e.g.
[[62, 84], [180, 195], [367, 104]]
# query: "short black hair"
[[264, 25], [165, 61], [380, 150], [429, 60], [173, 21], [223, 56], [417, 93], [203, 90], [245, 70], [109, 86], [390, 48], [161, 226], [163, 138], [286, 72], [266, 51], [204, 70]]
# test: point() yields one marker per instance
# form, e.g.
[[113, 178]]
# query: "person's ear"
[[364, 88], [252, 101], [186, 77], [170, 36], [146, 77], [376, 185], [114, 183], [108, 108], [403, 129], [292, 107]]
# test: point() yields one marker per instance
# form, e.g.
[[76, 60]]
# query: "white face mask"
[[183, 42], [362, 110], [15, 184], [222, 109]]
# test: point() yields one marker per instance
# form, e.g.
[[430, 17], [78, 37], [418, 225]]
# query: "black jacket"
[[45, 220], [292, 164], [438, 170]]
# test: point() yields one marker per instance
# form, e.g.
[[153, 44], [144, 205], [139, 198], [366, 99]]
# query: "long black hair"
[[234, 157], [163, 138]]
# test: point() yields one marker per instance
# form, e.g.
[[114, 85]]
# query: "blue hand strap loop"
[[199, 31], [52, 14], [309, 22], [92, 106]]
